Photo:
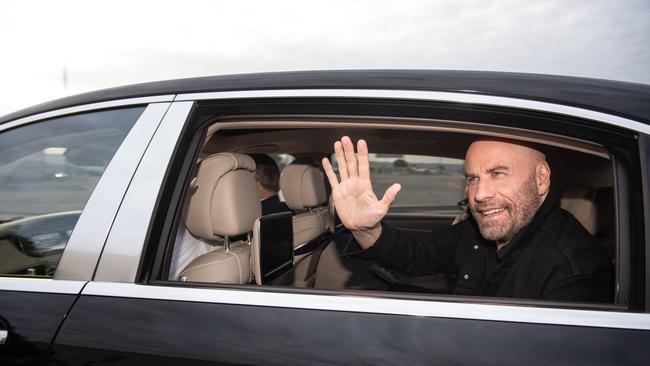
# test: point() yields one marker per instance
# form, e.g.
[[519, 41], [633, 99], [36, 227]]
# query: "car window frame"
[[403, 125], [144, 274]]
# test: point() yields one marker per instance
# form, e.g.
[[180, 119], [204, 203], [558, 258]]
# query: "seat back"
[[224, 203], [581, 202], [303, 187]]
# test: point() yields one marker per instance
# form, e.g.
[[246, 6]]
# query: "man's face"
[[505, 186]]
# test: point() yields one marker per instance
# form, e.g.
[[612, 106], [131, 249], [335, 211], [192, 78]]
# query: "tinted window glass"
[[48, 171]]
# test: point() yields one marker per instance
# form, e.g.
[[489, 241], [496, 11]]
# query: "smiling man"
[[518, 242], [506, 184]]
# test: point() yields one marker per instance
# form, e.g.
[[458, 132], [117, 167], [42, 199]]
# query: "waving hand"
[[356, 204]]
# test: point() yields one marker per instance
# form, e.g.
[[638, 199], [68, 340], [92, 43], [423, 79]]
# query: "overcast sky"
[[122, 42]]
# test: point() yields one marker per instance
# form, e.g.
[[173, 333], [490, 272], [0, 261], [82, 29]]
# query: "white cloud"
[[122, 42]]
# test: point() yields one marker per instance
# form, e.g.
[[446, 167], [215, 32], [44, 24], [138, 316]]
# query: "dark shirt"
[[554, 257], [273, 205]]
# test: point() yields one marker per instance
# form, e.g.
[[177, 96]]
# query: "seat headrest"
[[225, 200], [303, 186], [580, 201]]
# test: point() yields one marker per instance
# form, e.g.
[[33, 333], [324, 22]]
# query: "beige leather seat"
[[224, 204], [303, 187], [594, 208], [581, 202]]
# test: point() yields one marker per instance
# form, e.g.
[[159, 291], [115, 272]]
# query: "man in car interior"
[[267, 175], [516, 243]]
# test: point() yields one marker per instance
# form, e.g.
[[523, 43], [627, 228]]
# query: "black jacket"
[[273, 205], [553, 257]]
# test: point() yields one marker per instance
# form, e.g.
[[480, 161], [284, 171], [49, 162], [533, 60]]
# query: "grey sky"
[[124, 42]]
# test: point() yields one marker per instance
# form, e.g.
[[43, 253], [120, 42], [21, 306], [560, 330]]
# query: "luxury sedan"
[[131, 229]]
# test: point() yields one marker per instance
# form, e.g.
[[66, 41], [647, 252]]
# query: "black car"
[[131, 230]]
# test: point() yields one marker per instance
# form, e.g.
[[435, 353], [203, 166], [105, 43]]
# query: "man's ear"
[[543, 177]]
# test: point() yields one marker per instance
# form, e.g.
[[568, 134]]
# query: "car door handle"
[[3, 336]]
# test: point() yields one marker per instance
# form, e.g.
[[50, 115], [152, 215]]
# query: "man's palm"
[[356, 204]]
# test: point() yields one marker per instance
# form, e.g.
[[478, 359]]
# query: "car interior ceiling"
[[582, 171]]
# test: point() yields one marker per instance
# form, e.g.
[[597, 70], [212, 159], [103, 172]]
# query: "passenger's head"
[[267, 175], [507, 181]]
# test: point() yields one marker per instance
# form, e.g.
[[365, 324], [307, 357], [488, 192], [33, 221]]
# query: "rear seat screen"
[[276, 245]]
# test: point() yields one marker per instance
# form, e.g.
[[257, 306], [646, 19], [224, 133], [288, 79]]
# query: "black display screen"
[[276, 245]]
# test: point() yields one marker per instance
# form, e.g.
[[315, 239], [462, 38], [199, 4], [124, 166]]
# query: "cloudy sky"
[[122, 42]]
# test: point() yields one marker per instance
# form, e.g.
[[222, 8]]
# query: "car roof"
[[625, 99]]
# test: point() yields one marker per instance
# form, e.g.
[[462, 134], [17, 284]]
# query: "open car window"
[[433, 179]]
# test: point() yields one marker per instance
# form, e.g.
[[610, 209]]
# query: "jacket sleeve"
[[411, 253]]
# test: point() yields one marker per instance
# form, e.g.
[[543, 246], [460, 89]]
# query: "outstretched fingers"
[[329, 171], [340, 160], [350, 158], [364, 164]]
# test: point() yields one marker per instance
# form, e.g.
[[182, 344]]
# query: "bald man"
[[518, 242]]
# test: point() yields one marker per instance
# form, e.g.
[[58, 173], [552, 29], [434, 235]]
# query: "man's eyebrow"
[[491, 170], [497, 168]]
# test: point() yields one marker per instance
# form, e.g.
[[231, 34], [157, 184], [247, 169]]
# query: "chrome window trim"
[[83, 249], [430, 96], [26, 284], [373, 305], [121, 256], [86, 107]]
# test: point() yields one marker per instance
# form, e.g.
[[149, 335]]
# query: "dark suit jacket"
[[273, 205], [553, 258]]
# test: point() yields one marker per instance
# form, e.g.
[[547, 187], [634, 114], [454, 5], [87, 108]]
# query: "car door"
[[126, 315], [62, 176]]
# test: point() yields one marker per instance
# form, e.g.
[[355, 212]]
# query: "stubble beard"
[[517, 216]]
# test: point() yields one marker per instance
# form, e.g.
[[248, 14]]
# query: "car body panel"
[[120, 316], [442, 307], [228, 333], [31, 311]]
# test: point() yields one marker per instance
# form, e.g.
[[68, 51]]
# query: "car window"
[[48, 171], [432, 198]]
